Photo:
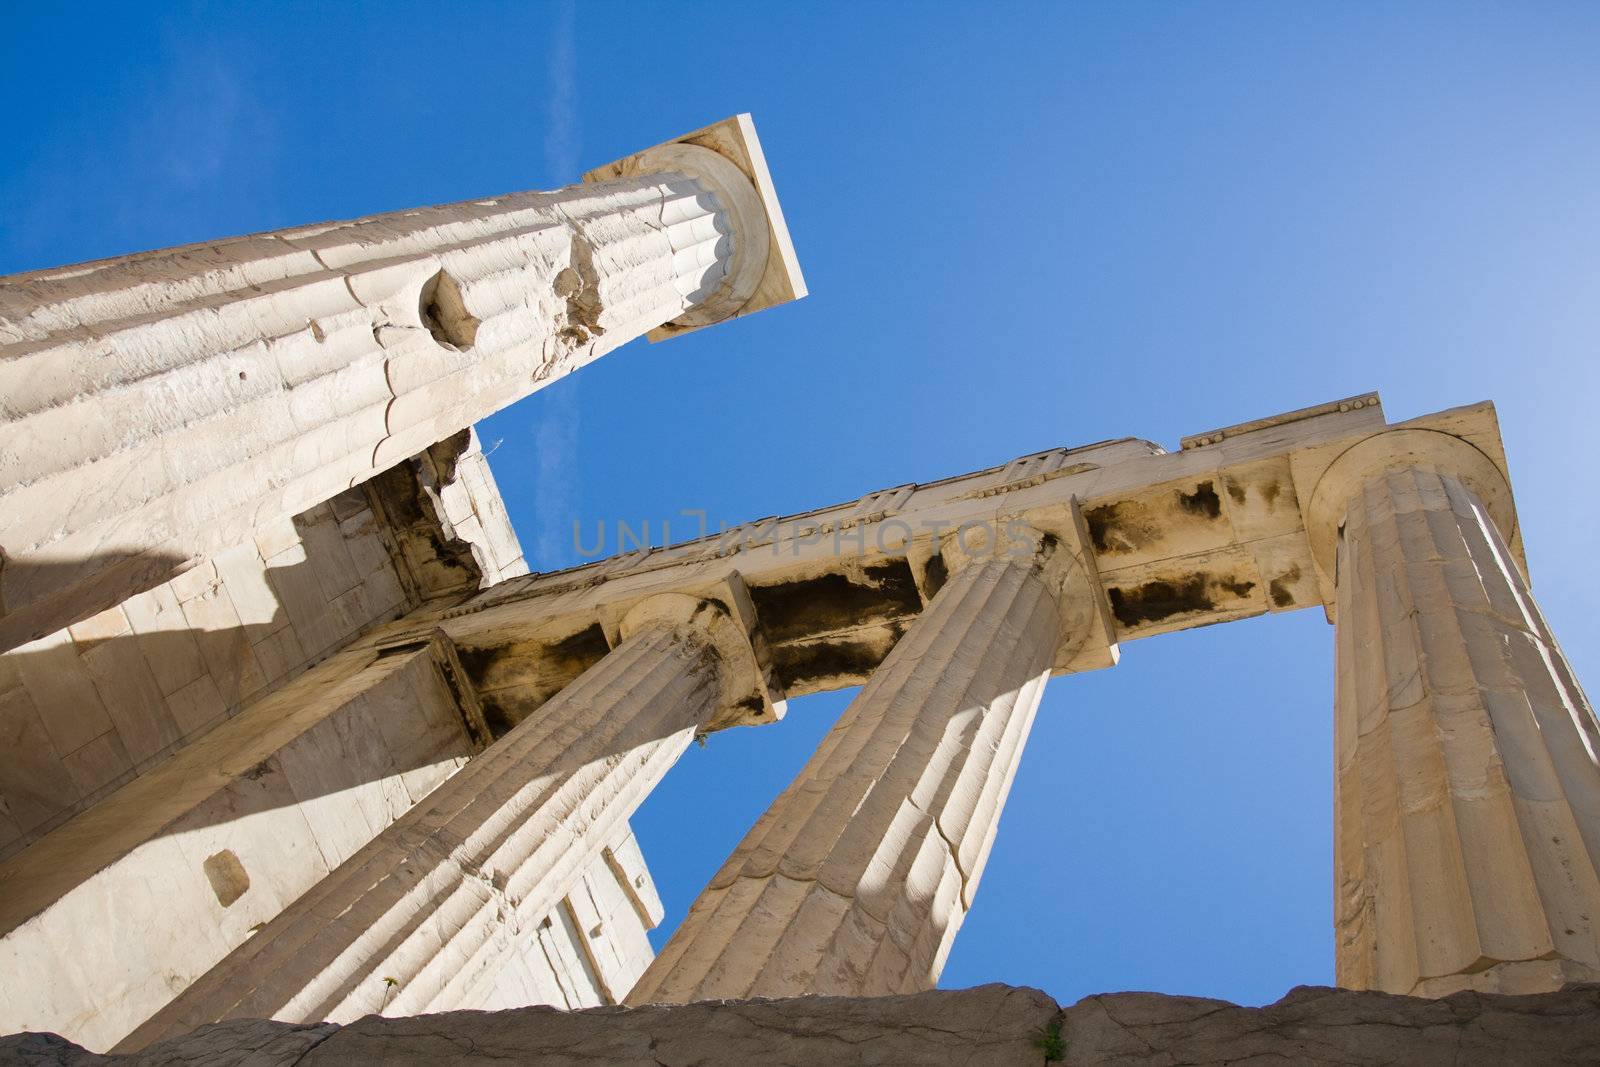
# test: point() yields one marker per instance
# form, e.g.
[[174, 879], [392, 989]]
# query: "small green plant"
[[389, 985], [700, 739], [1047, 1039]]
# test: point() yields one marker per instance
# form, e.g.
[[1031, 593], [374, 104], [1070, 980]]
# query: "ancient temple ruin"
[[292, 733]]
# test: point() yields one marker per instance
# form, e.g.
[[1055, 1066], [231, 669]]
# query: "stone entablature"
[[1175, 539]]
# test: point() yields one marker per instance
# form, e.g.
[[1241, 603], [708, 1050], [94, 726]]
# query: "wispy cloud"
[[561, 116], [556, 481], [170, 160]]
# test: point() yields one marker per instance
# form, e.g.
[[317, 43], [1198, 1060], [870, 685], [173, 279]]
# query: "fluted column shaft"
[[158, 408], [500, 843], [1467, 800], [857, 878]]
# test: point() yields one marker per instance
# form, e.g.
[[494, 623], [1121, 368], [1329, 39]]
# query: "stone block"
[[102, 627], [242, 572], [132, 698], [31, 782], [102, 762], [224, 643], [62, 689], [302, 597], [279, 653], [325, 550], [276, 535], [194, 581], [197, 706], [163, 636]]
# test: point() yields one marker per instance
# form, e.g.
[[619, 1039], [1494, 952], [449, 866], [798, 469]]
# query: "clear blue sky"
[[1023, 226]]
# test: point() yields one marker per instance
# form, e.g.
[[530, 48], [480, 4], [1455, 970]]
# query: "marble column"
[[856, 879], [416, 918], [159, 407], [1467, 791]]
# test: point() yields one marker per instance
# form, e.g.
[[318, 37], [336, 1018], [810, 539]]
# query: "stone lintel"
[[141, 894], [1367, 408], [1176, 540], [734, 139]]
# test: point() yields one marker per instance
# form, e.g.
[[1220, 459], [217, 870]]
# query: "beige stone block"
[[367, 553], [326, 551], [626, 944], [194, 582], [63, 691], [633, 876], [279, 654], [383, 593], [224, 644], [132, 699], [456, 498], [321, 763], [102, 627], [242, 573], [163, 636], [348, 504], [563, 942], [350, 611], [302, 597], [100, 763], [547, 985], [197, 706], [33, 783], [276, 535]]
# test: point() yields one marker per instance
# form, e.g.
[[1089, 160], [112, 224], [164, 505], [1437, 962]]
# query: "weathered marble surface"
[[992, 1025], [182, 399], [857, 878], [1467, 796]]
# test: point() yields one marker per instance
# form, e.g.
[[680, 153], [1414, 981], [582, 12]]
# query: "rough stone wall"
[[93, 706], [991, 1026], [118, 910], [89, 708], [172, 776]]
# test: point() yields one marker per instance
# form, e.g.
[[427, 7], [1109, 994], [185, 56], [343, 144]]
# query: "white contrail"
[[556, 481]]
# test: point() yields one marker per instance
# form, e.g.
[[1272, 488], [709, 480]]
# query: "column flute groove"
[[498, 844], [1467, 788], [855, 880]]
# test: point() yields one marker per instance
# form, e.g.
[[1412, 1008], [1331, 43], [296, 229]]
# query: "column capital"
[[727, 158], [1064, 562], [727, 623], [1325, 506]]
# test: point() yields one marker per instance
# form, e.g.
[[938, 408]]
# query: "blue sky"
[[1023, 226]]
